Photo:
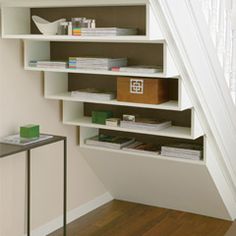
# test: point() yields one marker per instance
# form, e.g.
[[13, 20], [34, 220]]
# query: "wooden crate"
[[142, 90]]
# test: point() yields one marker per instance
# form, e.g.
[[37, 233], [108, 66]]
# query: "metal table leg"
[[28, 192], [28, 178], [65, 188]]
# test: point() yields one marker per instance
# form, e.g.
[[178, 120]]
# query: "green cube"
[[99, 117], [29, 131]]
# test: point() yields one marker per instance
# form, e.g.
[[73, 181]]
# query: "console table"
[[9, 149]]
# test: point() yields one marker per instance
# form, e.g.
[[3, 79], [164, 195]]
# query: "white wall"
[[22, 102]]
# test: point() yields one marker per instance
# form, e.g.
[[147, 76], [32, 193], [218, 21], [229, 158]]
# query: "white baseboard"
[[72, 215]]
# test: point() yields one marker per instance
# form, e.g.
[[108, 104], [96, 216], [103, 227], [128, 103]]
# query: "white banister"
[[221, 18], [233, 61]]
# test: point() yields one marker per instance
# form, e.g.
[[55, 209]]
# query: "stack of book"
[[96, 63], [145, 124], [140, 147], [108, 141], [49, 64], [16, 139], [140, 69], [108, 31], [183, 150], [93, 94]]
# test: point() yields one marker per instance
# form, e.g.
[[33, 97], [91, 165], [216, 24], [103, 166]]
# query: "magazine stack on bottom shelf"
[[140, 147], [126, 144], [183, 150], [180, 150], [108, 141]]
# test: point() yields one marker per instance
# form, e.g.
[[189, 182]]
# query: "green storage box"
[[29, 131], [99, 117]]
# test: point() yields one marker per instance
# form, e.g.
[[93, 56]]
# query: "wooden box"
[[142, 90]]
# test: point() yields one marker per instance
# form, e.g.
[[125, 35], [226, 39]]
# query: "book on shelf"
[[93, 94], [141, 147], [17, 140], [183, 150], [142, 69], [49, 64], [96, 63], [146, 124], [108, 141], [108, 31], [181, 155]]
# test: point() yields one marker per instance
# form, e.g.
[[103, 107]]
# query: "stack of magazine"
[[96, 63], [49, 64], [93, 94], [17, 140], [108, 141], [145, 124], [141, 147], [142, 69], [183, 150], [108, 31]]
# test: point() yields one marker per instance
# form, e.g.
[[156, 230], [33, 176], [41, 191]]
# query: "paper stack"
[[142, 69], [93, 94], [49, 64], [145, 124], [140, 147], [108, 31], [107, 141], [183, 150], [96, 63]]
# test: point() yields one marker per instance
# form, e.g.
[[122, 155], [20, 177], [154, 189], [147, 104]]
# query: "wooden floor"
[[119, 218]]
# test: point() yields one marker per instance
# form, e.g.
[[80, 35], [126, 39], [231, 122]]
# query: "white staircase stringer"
[[191, 46], [219, 179]]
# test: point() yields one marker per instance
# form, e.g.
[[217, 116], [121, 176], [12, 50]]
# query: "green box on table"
[[29, 131]]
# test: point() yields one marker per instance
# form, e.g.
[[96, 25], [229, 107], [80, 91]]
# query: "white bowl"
[[46, 27]]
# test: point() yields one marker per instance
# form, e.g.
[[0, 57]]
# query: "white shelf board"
[[73, 3], [173, 131], [170, 105], [145, 155], [103, 72], [66, 38]]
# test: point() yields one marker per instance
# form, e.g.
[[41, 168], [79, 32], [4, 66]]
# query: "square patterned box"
[[142, 90]]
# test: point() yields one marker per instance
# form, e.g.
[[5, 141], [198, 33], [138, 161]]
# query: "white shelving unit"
[[151, 179], [139, 177], [16, 24]]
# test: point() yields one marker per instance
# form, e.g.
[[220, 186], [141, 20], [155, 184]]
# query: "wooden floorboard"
[[119, 218]]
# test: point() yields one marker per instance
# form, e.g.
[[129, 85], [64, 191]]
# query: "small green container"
[[99, 117], [29, 131]]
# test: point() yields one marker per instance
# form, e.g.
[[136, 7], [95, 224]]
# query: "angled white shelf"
[[173, 131], [73, 114], [56, 87], [103, 39], [16, 17], [170, 105], [86, 133], [145, 155], [101, 72], [35, 50]]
